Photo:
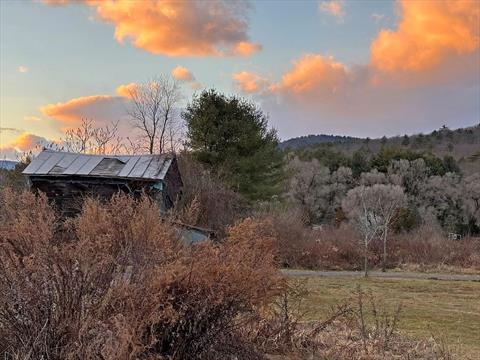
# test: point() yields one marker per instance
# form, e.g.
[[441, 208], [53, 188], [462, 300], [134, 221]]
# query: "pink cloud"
[[24, 142], [128, 90], [98, 107], [246, 48], [183, 74], [249, 82], [334, 8]]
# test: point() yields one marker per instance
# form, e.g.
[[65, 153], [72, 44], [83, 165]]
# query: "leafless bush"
[[292, 235], [427, 248], [116, 282], [206, 201], [332, 248]]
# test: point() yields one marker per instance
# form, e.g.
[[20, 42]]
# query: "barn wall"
[[173, 183], [68, 193]]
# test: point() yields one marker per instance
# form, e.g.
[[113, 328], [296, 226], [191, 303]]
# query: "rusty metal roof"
[[57, 163]]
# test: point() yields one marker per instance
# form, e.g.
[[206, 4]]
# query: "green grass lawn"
[[450, 310]]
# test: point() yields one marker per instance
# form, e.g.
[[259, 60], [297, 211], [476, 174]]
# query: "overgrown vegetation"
[[332, 248], [117, 282]]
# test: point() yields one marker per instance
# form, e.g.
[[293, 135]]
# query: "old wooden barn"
[[67, 178]]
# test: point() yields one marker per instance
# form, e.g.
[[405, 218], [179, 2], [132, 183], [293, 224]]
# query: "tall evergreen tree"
[[231, 136]]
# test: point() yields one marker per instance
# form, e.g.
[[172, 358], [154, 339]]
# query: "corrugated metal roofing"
[[57, 163]]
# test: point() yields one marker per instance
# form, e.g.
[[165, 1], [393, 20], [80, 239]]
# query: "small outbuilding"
[[67, 178]]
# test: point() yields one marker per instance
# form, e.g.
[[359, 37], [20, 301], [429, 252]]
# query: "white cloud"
[[378, 17], [23, 69], [335, 8], [31, 118]]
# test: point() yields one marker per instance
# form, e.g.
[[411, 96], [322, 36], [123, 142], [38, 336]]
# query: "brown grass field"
[[447, 310]]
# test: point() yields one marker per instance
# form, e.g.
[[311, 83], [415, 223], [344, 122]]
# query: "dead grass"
[[441, 269], [448, 310]]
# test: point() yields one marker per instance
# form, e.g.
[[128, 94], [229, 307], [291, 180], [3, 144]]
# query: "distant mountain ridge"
[[309, 140], [463, 144], [8, 164]]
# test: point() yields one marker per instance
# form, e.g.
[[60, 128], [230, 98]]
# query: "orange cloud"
[[183, 74], [24, 142], [428, 32], [127, 91], [178, 28], [246, 48], [196, 85], [313, 75], [98, 107], [249, 82], [333, 7], [55, 2]]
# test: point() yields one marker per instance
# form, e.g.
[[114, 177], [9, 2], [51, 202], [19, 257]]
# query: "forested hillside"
[[309, 140], [462, 144]]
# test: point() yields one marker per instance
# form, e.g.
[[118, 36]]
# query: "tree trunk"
[[150, 147], [365, 265], [384, 263], [162, 134]]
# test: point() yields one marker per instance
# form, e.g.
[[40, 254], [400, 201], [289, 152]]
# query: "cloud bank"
[[24, 142], [178, 28], [98, 107], [421, 74], [428, 33]]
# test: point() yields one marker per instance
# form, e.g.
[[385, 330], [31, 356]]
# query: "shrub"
[[292, 236], [116, 282], [332, 248], [214, 205], [429, 248]]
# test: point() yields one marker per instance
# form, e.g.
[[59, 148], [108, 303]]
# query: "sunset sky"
[[361, 68]]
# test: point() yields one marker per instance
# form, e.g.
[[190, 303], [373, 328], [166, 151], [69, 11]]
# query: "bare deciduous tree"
[[79, 139], [90, 139], [373, 177], [441, 198], [372, 209], [361, 206], [105, 139], [318, 192], [307, 183], [409, 174], [152, 110], [472, 200], [390, 199]]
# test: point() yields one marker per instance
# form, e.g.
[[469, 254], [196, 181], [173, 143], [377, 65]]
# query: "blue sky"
[[69, 51]]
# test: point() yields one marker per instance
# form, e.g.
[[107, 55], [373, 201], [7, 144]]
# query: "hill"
[[462, 144], [309, 140], [8, 164]]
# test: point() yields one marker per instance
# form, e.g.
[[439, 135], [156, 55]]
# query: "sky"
[[359, 68]]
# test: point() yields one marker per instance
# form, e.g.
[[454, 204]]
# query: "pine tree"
[[231, 136]]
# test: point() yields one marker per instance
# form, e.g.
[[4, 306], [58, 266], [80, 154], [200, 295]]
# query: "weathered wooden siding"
[[68, 193]]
